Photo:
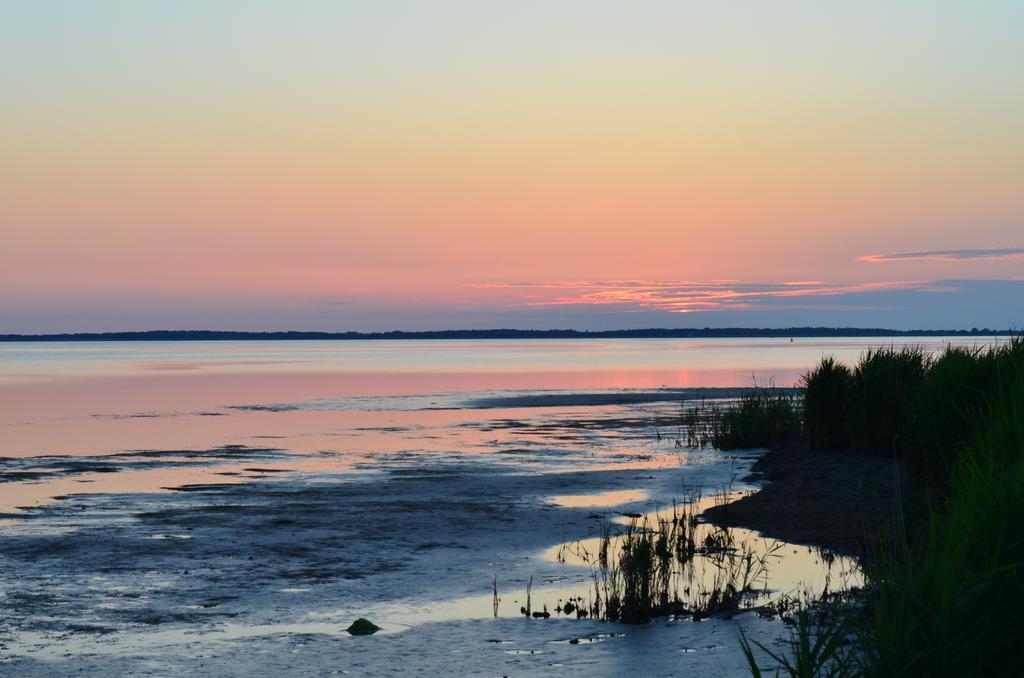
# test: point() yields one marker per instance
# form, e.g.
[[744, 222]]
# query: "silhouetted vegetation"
[[818, 645], [671, 564], [944, 412], [826, 398], [944, 594], [764, 417], [883, 382], [907, 404], [948, 596]]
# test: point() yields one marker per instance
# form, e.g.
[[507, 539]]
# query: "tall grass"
[[943, 416], [826, 398], [671, 564], [637, 570], [941, 412], [905, 403], [765, 416], [946, 594], [814, 650], [883, 382], [952, 602]]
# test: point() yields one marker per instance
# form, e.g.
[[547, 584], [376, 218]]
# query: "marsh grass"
[[950, 602], [907, 404], [945, 412], [883, 383], [657, 566], [814, 648], [944, 595], [635, 568], [826, 398], [698, 425], [764, 417]]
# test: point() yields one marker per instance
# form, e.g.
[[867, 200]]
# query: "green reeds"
[[636, 574], [883, 383], [814, 650], [939, 417], [671, 564], [905, 403], [698, 424], [942, 419], [944, 596], [764, 417], [949, 602], [826, 399]]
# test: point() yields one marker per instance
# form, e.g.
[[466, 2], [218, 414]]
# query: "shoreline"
[[839, 501]]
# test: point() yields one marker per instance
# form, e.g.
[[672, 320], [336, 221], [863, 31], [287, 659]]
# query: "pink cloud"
[[683, 296]]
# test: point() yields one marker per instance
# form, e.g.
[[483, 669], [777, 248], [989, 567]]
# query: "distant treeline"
[[652, 333]]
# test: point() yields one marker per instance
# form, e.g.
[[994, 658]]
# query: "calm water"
[[75, 398], [539, 363], [312, 398]]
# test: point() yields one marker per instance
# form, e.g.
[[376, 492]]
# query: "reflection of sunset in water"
[[611, 498], [344, 406]]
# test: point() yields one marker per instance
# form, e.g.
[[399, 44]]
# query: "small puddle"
[[598, 499], [764, 570], [769, 566], [699, 568]]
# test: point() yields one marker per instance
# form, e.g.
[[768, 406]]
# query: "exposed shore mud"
[[840, 501], [411, 527], [228, 578]]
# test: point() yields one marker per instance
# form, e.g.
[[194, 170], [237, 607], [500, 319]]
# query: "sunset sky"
[[424, 165]]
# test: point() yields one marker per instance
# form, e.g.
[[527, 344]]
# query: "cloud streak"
[[947, 255], [686, 296]]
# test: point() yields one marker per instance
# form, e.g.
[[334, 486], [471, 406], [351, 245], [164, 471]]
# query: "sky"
[[424, 165]]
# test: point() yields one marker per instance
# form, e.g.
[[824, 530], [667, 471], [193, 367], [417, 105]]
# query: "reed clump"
[[942, 422], [637, 568], [819, 643], [657, 566], [948, 600], [765, 416], [883, 383], [826, 400], [944, 594], [906, 404]]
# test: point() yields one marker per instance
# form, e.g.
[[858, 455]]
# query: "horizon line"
[[501, 333]]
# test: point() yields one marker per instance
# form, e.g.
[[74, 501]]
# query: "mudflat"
[[838, 500]]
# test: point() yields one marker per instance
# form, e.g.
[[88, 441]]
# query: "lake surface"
[[231, 506]]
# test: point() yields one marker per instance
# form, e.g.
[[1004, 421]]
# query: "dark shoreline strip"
[[840, 501]]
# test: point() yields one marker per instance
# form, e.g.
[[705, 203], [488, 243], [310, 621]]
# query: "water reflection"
[[668, 562], [599, 499], [774, 570]]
